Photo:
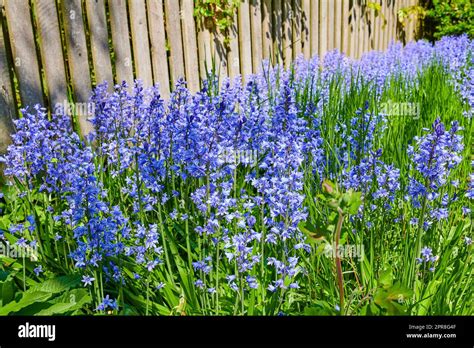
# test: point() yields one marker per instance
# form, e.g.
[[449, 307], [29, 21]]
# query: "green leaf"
[[59, 284], [429, 295], [386, 278], [313, 233], [375, 6], [77, 296], [319, 308], [28, 298], [351, 201], [399, 293], [57, 308], [393, 298], [7, 291], [33, 308]]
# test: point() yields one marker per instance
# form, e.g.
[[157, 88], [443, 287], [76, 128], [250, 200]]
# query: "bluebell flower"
[[428, 258], [38, 270], [199, 283], [87, 280]]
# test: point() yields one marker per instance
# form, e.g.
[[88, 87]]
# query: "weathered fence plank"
[[412, 27], [190, 45], [371, 34], [173, 29], [361, 36], [353, 30], [233, 52], [323, 28], [384, 26], [287, 18], [77, 57], [256, 33], [7, 100], [296, 27], [314, 25], [376, 30], [338, 24], [305, 25], [245, 39], [367, 21], [121, 41], [277, 31], [346, 27], [204, 48], [357, 29], [219, 54], [140, 43], [159, 58], [50, 40], [330, 24], [391, 20], [99, 41], [267, 29], [25, 60]]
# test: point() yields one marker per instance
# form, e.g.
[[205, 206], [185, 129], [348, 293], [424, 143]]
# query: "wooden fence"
[[55, 51]]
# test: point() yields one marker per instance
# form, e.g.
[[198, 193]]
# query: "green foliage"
[[391, 296], [217, 14], [377, 10], [453, 17], [52, 297], [448, 17], [346, 202]]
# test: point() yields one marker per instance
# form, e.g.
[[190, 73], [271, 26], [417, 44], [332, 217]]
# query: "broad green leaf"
[[351, 201], [393, 299], [33, 308], [79, 297], [386, 278], [429, 295], [28, 298], [58, 308], [313, 233], [7, 291], [59, 284], [399, 292]]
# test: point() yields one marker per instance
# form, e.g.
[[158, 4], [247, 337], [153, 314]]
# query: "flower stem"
[[340, 280]]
